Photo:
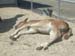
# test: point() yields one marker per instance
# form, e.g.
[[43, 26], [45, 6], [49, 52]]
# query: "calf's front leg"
[[54, 34]]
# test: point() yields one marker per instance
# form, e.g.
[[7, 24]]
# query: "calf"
[[56, 28]]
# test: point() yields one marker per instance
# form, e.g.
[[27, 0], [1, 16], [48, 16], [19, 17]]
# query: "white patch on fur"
[[45, 28]]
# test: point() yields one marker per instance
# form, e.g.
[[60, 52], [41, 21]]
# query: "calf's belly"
[[45, 30]]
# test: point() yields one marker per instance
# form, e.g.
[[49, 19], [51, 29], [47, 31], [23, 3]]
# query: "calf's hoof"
[[39, 48], [13, 38], [45, 48]]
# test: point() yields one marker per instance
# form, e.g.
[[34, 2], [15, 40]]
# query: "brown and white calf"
[[56, 28]]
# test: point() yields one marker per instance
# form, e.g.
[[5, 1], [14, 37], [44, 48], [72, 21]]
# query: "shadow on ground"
[[7, 24]]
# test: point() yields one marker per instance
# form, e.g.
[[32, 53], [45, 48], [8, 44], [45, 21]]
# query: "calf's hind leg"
[[29, 31]]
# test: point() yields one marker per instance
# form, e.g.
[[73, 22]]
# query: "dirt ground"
[[26, 44]]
